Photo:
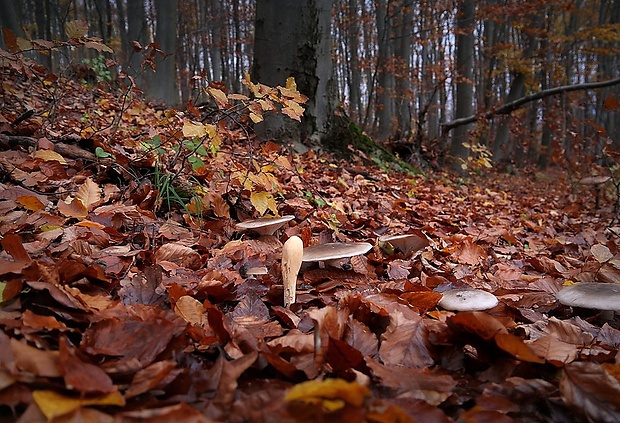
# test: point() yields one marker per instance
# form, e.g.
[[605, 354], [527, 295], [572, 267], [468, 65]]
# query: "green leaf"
[[102, 154]]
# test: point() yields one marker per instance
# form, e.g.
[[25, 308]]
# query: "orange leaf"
[[219, 205], [30, 202], [612, 103], [477, 322], [471, 253], [422, 300], [90, 193], [190, 309], [515, 346], [13, 245], [73, 207]]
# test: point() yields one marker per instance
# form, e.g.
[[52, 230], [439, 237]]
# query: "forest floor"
[[126, 294]]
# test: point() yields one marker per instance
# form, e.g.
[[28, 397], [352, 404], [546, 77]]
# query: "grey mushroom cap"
[[264, 225], [592, 295], [467, 300], [335, 250], [406, 242]]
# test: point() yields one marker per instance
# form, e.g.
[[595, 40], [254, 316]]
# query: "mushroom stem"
[[292, 253]]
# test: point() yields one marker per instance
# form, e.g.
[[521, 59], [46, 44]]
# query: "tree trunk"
[[163, 84], [136, 31], [385, 89], [464, 86], [292, 38]]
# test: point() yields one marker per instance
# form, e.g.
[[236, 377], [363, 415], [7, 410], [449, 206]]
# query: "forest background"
[[432, 79], [130, 290]]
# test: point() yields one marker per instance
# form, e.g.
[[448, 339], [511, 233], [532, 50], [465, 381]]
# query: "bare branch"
[[514, 105]]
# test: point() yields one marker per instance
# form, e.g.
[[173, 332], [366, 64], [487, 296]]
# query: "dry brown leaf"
[[180, 255], [190, 309]]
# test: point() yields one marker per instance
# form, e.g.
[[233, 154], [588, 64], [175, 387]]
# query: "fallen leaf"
[[53, 404], [332, 394], [591, 391]]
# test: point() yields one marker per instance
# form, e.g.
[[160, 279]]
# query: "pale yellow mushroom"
[[292, 254]]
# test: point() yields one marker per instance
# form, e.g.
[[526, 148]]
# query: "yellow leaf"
[[291, 84], [267, 105], [53, 404], [331, 393], [256, 118], [49, 155], [89, 192], [220, 97], [293, 110], [263, 201], [192, 130], [211, 130]]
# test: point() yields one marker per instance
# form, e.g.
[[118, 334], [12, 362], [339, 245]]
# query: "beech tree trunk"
[[162, 85], [292, 38], [464, 86], [136, 31]]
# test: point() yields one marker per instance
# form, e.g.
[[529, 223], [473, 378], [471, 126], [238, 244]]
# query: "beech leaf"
[[263, 201], [332, 394], [590, 389], [53, 404], [190, 309]]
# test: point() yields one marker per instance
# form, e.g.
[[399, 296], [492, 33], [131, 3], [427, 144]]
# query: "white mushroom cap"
[[407, 242], [595, 180], [265, 225], [335, 250], [593, 295], [467, 300]]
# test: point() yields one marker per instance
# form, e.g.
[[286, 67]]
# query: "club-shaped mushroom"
[[467, 300], [334, 251], [292, 253], [264, 225], [592, 295], [406, 243]]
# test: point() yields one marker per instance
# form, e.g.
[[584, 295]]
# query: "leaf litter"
[[115, 308]]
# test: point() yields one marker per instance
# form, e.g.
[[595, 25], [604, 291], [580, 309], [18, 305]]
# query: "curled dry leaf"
[[180, 255]]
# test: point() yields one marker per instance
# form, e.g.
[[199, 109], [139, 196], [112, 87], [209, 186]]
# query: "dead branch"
[[514, 105]]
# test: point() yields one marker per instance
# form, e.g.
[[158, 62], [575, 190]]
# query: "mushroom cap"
[[264, 225], [406, 242], [593, 295], [467, 300], [335, 250], [594, 180]]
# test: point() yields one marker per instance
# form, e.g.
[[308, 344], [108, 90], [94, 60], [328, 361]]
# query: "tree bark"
[[464, 86], [292, 38], [163, 85]]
